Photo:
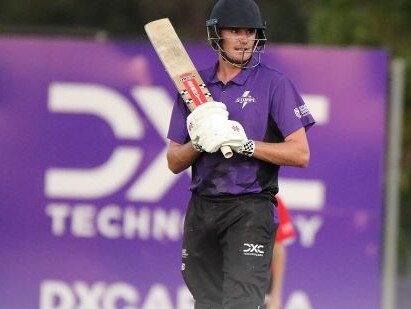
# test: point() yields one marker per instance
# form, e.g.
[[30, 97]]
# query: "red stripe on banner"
[[193, 88]]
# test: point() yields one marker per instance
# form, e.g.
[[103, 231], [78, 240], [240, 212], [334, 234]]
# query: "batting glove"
[[213, 134], [200, 120], [237, 139]]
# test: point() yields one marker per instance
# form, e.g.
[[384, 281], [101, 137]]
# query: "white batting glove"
[[225, 133], [237, 139], [201, 117], [207, 110], [213, 134]]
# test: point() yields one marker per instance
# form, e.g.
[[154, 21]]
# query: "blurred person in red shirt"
[[285, 236]]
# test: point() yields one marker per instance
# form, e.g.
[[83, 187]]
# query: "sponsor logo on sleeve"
[[302, 111]]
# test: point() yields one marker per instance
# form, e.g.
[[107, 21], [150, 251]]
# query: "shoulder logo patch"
[[302, 111]]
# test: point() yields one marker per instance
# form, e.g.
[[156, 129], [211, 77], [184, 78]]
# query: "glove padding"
[[225, 133], [203, 119], [213, 134], [237, 140]]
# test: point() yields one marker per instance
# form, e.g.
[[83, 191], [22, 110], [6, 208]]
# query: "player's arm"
[[294, 151], [180, 157]]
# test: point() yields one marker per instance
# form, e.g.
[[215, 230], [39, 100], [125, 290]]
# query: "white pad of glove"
[[237, 140], [224, 133], [235, 135], [212, 134], [202, 116]]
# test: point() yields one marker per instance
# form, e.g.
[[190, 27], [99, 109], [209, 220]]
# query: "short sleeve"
[[288, 108], [177, 130]]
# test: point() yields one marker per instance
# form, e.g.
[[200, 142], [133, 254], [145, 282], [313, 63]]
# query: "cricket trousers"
[[227, 250]]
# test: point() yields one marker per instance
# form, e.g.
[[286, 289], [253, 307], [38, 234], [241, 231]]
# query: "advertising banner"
[[91, 217]]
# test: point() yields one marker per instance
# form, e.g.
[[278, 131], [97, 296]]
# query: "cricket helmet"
[[235, 14]]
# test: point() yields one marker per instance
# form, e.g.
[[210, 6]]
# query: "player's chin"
[[240, 57]]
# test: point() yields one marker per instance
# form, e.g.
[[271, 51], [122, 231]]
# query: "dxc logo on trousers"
[[253, 249]]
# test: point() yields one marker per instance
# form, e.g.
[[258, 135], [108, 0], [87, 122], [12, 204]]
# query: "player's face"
[[238, 44]]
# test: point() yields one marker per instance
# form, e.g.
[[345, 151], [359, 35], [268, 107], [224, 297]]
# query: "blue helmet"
[[235, 14]]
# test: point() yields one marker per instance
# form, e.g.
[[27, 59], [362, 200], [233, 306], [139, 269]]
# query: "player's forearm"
[[180, 157], [286, 153], [294, 151]]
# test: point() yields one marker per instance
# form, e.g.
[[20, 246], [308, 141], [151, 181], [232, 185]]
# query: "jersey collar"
[[240, 79]]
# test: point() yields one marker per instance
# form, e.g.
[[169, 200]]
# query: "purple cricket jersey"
[[268, 106]]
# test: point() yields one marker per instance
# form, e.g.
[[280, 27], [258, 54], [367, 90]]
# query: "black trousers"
[[227, 250]]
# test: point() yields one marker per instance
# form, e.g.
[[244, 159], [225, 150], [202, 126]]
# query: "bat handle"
[[227, 152]]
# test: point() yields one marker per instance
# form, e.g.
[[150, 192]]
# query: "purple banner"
[[92, 217]]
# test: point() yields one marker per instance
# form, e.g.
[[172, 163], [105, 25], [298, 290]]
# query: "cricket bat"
[[179, 66]]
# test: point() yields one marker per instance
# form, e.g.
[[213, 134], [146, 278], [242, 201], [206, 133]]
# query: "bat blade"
[[179, 66]]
